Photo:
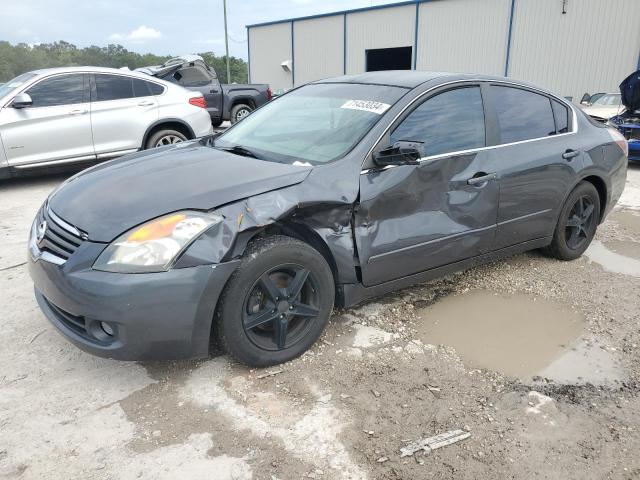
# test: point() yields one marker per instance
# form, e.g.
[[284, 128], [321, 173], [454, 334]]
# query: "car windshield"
[[11, 85], [314, 124], [608, 100]]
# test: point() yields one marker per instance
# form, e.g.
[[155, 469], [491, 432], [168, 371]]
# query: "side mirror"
[[22, 100], [586, 99], [401, 153]]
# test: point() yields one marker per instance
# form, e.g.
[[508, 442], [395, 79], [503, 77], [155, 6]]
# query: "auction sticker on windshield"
[[367, 106]]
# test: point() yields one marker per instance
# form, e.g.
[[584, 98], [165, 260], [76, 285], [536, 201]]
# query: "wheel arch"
[[244, 100], [298, 231], [601, 187], [174, 123], [295, 230]]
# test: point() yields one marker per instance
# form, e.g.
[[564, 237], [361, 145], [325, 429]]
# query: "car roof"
[[121, 71], [396, 78], [415, 78]]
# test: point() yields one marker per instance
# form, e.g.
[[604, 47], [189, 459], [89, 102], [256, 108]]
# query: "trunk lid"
[[630, 90]]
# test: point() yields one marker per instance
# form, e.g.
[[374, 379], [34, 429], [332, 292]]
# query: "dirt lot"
[[536, 358]]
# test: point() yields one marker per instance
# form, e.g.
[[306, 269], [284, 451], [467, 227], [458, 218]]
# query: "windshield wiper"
[[240, 150]]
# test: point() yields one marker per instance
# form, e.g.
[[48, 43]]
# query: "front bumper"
[[631, 132], [634, 150], [153, 316]]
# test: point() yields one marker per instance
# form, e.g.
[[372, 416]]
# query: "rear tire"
[[577, 223], [239, 111], [165, 137], [216, 123], [276, 304]]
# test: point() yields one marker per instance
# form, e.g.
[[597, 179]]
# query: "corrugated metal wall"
[[382, 28], [269, 46], [463, 36], [591, 48], [319, 48]]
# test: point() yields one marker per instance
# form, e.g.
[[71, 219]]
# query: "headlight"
[[153, 246]]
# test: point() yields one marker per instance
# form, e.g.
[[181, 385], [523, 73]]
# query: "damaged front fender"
[[309, 211]]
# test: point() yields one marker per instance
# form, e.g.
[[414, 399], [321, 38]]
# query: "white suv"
[[61, 116]]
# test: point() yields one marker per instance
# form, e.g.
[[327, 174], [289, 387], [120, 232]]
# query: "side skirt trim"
[[358, 293]]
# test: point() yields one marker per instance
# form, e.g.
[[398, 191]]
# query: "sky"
[[163, 27]]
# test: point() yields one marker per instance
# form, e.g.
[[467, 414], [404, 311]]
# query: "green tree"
[[20, 58]]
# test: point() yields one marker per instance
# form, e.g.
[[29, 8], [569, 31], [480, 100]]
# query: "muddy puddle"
[[627, 219], [624, 248], [614, 262], [518, 335]]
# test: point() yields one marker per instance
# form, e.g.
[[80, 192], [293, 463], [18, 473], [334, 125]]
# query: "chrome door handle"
[[482, 179], [146, 103], [78, 111], [569, 154]]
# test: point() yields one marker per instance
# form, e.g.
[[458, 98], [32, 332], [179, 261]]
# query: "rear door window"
[[58, 90], [451, 121], [141, 88], [522, 115], [155, 88], [118, 87], [113, 87]]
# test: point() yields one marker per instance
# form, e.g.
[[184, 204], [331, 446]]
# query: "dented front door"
[[413, 218]]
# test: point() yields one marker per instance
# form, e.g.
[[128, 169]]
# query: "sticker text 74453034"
[[367, 106]]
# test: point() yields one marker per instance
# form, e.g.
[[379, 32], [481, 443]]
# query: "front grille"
[[60, 239], [90, 330], [73, 322]]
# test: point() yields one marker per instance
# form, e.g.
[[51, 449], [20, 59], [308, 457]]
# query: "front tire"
[[276, 304], [239, 111], [577, 223]]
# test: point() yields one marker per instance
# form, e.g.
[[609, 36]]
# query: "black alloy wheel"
[[277, 302], [579, 224], [281, 307]]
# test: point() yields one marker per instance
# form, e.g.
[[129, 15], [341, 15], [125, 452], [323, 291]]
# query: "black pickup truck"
[[224, 102]]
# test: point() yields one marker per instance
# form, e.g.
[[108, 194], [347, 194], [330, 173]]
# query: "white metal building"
[[568, 46]]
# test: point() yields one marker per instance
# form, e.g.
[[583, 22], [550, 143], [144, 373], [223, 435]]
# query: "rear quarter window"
[[561, 114]]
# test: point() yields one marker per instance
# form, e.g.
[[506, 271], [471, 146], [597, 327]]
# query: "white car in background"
[[72, 116], [604, 107]]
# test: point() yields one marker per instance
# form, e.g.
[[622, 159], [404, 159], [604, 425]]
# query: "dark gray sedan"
[[336, 192]]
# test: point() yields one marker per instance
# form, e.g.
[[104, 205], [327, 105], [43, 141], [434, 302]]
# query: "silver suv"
[[61, 116]]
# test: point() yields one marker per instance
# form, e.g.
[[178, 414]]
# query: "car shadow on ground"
[[43, 180]]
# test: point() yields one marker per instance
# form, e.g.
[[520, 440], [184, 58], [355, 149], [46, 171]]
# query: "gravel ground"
[[554, 398]]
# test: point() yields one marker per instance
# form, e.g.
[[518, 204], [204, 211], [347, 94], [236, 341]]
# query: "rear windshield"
[[316, 123]]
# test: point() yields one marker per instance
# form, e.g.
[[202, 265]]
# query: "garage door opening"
[[398, 58]]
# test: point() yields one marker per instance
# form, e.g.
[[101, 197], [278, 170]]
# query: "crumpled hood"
[[630, 90], [605, 112], [109, 199]]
